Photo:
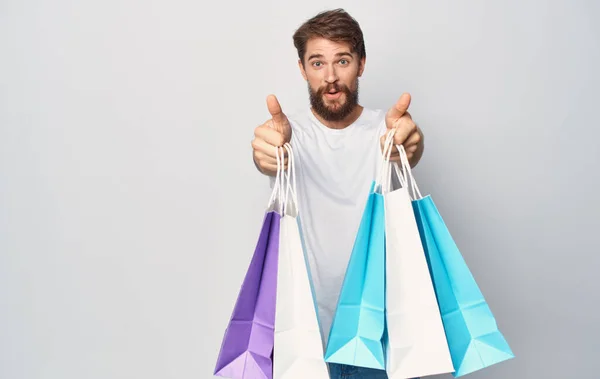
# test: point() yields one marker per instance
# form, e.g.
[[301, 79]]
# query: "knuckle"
[[401, 124], [409, 124]]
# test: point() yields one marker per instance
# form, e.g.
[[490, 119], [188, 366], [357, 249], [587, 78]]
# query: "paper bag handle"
[[385, 170], [408, 173], [291, 187], [277, 192]]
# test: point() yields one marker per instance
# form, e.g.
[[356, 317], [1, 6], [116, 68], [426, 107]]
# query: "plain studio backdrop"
[[130, 206]]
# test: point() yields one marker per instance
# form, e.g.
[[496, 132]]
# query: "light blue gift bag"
[[472, 333], [357, 330]]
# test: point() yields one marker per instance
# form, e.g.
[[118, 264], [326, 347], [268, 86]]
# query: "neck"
[[341, 124]]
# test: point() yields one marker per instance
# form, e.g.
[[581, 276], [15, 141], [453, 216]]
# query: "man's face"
[[332, 73]]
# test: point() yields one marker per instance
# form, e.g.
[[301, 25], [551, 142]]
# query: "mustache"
[[335, 87]]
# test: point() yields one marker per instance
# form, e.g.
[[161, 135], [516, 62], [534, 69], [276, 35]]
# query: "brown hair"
[[335, 25]]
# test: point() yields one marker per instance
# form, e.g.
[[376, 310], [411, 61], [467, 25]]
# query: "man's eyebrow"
[[312, 56], [342, 54]]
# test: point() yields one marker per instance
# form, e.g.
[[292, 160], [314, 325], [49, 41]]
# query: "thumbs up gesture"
[[407, 132], [274, 133]]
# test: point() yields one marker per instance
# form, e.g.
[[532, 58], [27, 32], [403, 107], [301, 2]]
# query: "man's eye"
[[343, 61], [316, 63]]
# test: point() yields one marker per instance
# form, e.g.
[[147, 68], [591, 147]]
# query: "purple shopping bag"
[[247, 347]]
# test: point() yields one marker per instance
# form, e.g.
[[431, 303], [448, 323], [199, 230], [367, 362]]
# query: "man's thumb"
[[275, 109], [400, 107]]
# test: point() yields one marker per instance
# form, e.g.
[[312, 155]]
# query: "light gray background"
[[129, 204]]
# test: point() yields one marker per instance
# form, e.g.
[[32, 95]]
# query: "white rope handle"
[[408, 172], [282, 182], [383, 163], [388, 172], [291, 177], [388, 165], [278, 185], [401, 175]]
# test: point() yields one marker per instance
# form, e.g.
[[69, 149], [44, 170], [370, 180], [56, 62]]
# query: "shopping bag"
[[416, 342], [357, 329], [247, 347], [473, 336], [298, 351]]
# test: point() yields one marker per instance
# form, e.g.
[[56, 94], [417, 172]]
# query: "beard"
[[326, 112]]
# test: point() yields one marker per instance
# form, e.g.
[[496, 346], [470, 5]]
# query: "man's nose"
[[331, 75]]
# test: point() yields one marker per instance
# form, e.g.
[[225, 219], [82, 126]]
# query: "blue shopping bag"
[[472, 333], [356, 335]]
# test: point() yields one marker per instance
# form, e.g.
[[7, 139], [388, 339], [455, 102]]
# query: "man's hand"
[[407, 132], [274, 133]]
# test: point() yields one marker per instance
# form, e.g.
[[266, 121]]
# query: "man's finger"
[[275, 109], [270, 136], [404, 129], [267, 148], [400, 107], [266, 159], [413, 139], [271, 167]]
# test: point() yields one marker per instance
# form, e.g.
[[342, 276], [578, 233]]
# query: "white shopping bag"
[[298, 350], [416, 340]]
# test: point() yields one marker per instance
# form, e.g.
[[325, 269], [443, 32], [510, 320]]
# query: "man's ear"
[[302, 71], [361, 66]]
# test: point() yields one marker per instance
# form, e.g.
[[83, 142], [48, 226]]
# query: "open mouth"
[[333, 94]]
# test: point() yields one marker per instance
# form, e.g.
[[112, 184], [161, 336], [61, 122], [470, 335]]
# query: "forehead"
[[326, 48]]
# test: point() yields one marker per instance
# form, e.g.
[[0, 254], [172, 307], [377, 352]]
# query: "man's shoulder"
[[373, 116], [372, 120], [299, 117]]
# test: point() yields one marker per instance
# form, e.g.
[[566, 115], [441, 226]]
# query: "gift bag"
[[416, 343], [298, 345], [356, 334], [247, 347], [474, 340]]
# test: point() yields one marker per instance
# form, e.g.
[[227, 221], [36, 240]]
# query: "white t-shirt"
[[334, 172]]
